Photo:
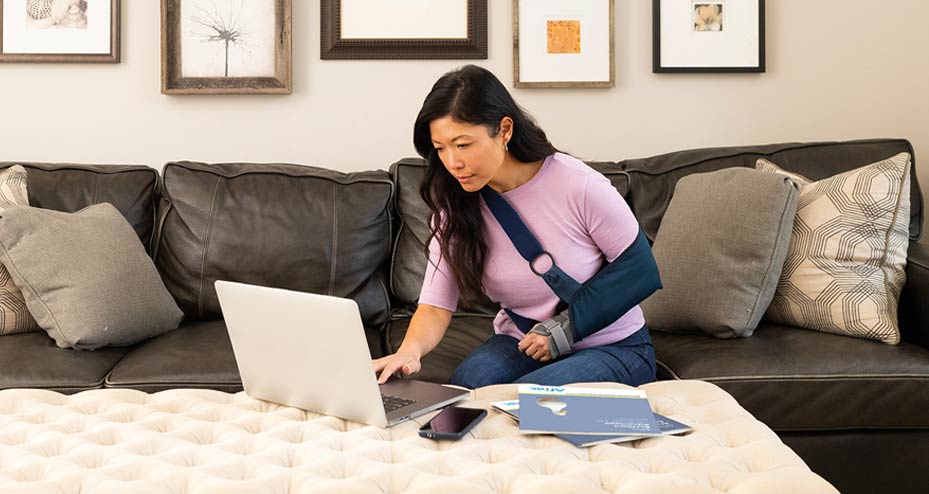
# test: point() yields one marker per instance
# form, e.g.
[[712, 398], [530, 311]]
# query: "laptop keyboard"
[[392, 403]]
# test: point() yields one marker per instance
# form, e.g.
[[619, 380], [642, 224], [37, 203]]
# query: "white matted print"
[[227, 38], [60, 27], [564, 43], [709, 35], [404, 19]]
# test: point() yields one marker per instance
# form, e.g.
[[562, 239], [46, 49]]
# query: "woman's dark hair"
[[471, 95]]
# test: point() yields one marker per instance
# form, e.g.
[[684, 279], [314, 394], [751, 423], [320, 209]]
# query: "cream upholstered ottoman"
[[200, 441]]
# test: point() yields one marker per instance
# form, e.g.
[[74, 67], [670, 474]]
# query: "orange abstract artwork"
[[564, 36]]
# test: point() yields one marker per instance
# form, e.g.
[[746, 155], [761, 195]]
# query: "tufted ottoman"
[[201, 441]]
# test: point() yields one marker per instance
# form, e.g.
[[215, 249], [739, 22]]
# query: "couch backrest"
[[652, 180], [131, 189], [408, 265], [288, 226]]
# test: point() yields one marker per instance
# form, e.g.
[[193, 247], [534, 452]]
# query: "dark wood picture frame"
[[173, 82], [565, 84], [111, 57], [333, 47], [656, 47]]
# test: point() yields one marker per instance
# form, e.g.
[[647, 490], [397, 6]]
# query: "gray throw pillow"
[[720, 250], [85, 276]]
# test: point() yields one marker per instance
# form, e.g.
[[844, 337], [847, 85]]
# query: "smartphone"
[[452, 423]]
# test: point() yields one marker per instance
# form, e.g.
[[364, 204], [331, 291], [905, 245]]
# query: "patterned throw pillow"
[[845, 266], [14, 318]]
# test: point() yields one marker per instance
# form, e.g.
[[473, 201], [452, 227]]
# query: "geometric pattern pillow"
[[14, 317], [845, 266]]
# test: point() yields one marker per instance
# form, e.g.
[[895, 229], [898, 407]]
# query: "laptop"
[[310, 351]]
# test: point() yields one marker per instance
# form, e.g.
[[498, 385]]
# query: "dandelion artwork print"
[[59, 31], [227, 38], [226, 46]]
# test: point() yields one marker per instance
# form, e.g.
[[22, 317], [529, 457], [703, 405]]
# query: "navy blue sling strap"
[[618, 287]]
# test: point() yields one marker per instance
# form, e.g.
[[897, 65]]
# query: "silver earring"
[[506, 146]]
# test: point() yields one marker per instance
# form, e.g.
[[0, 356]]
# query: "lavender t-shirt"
[[578, 216]]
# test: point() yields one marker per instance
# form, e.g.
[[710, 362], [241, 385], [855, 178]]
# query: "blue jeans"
[[499, 361]]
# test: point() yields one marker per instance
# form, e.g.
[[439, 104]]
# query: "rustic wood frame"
[[172, 82], [564, 84], [333, 47], [111, 57]]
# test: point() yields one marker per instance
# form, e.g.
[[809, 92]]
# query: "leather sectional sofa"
[[854, 410]]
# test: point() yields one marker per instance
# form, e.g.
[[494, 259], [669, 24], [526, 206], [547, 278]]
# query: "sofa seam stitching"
[[814, 377], [335, 237], [206, 244], [747, 153]]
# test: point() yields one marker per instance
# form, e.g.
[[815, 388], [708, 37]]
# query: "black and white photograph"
[[227, 38], [59, 30], [61, 14], [226, 46]]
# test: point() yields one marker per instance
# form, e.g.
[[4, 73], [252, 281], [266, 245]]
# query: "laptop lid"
[[310, 351]]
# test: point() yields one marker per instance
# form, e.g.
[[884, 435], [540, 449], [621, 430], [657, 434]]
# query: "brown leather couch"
[[855, 410]]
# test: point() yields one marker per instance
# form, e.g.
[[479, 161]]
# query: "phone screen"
[[454, 419]]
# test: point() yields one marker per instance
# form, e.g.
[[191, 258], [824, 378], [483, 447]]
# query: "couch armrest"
[[914, 301]]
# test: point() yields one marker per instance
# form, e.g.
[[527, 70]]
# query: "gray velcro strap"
[[559, 334]]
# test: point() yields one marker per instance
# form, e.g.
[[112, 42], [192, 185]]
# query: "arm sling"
[[616, 288]]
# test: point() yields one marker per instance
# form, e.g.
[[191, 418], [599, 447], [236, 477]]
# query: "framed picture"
[[563, 43], [708, 36], [59, 31], [226, 46], [403, 29]]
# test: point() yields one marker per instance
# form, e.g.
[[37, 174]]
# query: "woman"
[[473, 135]]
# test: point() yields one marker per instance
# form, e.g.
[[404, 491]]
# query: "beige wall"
[[834, 72]]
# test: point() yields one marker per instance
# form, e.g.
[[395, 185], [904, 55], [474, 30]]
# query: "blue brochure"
[[571, 410], [669, 427]]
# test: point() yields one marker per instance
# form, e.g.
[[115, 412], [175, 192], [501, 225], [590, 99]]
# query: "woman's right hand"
[[404, 362]]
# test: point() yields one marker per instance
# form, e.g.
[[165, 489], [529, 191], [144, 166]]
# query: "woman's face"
[[468, 151]]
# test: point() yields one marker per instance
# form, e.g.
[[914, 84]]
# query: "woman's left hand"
[[535, 346]]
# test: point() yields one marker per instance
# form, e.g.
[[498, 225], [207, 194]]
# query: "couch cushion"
[[32, 360], [408, 265], [794, 379], [465, 333], [198, 354], [287, 226], [720, 251], [652, 180], [70, 187]]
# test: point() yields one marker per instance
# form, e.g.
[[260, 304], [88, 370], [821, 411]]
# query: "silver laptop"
[[310, 351]]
